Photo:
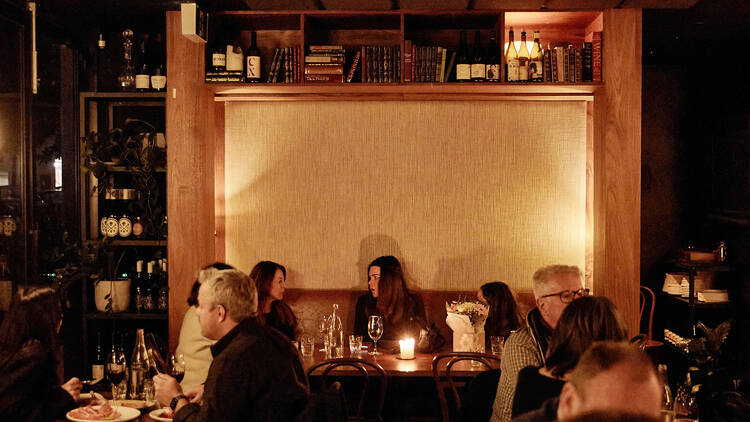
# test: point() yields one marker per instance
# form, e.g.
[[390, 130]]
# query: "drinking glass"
[[323, 331], [355, 344], [496, 344], [375, 331], [307, 345], [116, 368], [176, 366]]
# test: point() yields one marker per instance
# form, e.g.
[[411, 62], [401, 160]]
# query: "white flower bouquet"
[[466, 318]]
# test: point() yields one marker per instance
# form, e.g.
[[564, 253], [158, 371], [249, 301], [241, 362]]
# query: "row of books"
[[325, 63], [428, 63], [566, 63]]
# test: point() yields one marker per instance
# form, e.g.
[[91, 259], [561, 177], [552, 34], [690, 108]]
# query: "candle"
[[407, 348]]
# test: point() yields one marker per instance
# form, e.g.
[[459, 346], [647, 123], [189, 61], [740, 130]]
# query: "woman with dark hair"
[[196, 349], [29, 386], [402, 311], [584, 321], [503, 314], [270, 279]]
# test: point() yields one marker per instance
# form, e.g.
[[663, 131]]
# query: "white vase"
[[119, 291]]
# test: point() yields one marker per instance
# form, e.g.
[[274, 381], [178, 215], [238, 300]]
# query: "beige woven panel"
[[462, 192]]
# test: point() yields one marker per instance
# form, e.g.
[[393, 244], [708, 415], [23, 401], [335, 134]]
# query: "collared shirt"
[[256, 375], [521, 350]]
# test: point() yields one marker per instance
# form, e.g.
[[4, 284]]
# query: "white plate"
[[154, 414], [126, 414]]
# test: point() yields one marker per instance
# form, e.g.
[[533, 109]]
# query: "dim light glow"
[[58, 173], [407, 348], [517, 44]]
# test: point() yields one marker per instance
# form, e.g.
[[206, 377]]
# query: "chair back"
[[452, 358], [366, 370], [648, 303]]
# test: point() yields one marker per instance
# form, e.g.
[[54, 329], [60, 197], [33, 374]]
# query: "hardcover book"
[[353, 67], [596, 57]]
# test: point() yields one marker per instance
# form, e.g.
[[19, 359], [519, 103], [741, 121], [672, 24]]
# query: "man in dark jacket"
[[255, 375]]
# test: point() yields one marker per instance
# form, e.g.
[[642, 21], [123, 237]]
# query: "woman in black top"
[[270, 279], [402, 311], [584, 321], [503, 314], [29, 387]]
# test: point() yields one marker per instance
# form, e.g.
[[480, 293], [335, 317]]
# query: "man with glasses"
[[555, 286]]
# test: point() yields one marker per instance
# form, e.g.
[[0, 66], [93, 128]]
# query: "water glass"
[[355, 344], [307, 344], [496, 344], [149, 393]]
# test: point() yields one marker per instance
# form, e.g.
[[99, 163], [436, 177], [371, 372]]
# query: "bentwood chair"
[[368, 372], [440, 380], [648, 304]]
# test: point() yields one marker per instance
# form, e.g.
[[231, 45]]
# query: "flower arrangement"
[[476, 311]]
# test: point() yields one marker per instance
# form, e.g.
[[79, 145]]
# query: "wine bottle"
[[139, 366], [219, 57], [463, 68], [148, 298], [523, 60], [139, 286], [478, 68], [127, 77], [511, 60], [143, 77], [536, 63], [493, 59], [97, 364], [159, 63], [234, 57], [252, 61]]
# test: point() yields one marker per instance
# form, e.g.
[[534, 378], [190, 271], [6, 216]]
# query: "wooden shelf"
[[128, 95], [401, 92], [125, 169], [127, 315]]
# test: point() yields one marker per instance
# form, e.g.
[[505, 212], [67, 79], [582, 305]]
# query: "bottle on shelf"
[[163, 299], [140, 291], [685, 401], [667, 400], [234, 57], [97, 364], [463, 67], [523, 60], [536, 62], [137, 227], [493, 59], [127, 76], [125, 226], [159, 64], [148, 297], [219, 57], [139, 366], [143, 75], [511, 59], [336, 333], [252, 61], [478, 69]]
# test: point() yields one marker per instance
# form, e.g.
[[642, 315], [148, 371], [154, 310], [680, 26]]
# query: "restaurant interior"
[[640, 178]]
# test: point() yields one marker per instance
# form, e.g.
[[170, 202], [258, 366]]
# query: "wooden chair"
[[648, 304], [366, 371], [453, 358]]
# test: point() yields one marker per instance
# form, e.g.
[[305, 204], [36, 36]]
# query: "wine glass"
[[176, 366], [323, 331], [375, 331], [116, 368]]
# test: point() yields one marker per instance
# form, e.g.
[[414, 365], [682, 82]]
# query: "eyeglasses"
[[567, 296]]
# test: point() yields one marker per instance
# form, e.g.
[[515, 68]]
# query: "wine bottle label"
[[252, 70], [463, 72], [158, 82], [141, 81], [478, 71], [493, 72], [97, 372], [513, 71], [125, 227], [523, 73], [219, 60], [234, 61], [535, 69]]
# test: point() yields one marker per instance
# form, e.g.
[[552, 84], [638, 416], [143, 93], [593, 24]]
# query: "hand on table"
[[73, 387], [166, 388], [195, 394]]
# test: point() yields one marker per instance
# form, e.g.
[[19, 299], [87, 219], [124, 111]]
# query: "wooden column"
[[190, 169], [617, 164]]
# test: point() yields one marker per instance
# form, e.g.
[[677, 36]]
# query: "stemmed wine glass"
[[375, 331], [116, 368], [176, 366]]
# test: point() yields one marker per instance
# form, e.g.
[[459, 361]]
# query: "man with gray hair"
[[256, 374], [555, 286]]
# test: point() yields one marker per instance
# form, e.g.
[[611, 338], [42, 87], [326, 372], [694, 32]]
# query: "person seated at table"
[[584, 321], [270, 278], [503, 314], [402, 311], [29, 385], [256, 374], [612, 377], [196, 349], [555, 286]]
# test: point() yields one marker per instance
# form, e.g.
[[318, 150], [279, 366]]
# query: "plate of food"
[[164, 414], [103, 412]]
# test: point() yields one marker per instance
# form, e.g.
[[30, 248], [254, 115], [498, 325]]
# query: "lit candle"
[[407, 348]]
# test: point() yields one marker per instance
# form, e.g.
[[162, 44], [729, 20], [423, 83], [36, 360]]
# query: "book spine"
[[566, 66], [269, 78], [450, 67], [369, 64], [353, 68], [298, 67], [338, 58], [417, 64], [436, 70], [317, 69], [407, 60], [578, 65], [559, 63], [596, 57], [381, 64], [413, 69], [586, 71], [547, 65], [397, 50], [442, 65], [387, 63], [325, 48], [324, 78], [288, 68], [571, 64]]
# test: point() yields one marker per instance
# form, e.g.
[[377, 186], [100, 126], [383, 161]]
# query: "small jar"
[[138, 227], [112, 226], [7, 225], [125, 226]]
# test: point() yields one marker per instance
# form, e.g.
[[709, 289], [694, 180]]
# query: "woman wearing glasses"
[[584, 321]]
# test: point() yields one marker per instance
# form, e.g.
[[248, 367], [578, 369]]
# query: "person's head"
[[554, 287], [204, 274], [383, 266], [34, 314], [585, 321], [503, 310], [270, 279], [611, 376], [386, 281], [225, 300]]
